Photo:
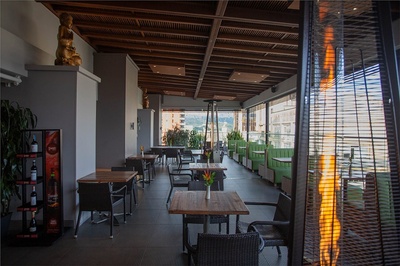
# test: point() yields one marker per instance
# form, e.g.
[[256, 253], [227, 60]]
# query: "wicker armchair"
[[217, 250], [275, 232], [141, 167], [178, 178], [184, 158], [100, 197], [131, 186], [199, 219]]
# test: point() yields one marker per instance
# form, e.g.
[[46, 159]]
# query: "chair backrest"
[[137, 164], [158, 151], [231, 249], [94, 196], [282, 212], [199, 185], [128, 184], [171, 174], [171, 153], [122, 168]]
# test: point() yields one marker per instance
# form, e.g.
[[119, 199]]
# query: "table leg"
[[206, 223]]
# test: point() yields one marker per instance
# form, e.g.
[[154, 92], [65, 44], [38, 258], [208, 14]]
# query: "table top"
[[259, 152], [220, 203], [283, 159], [144, 157], [205, 166], [102, 176], [168, 147], [197, 152]]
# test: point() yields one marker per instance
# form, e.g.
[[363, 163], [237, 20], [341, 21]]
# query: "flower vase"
[[208, 161], [208, 192], [142, 153]]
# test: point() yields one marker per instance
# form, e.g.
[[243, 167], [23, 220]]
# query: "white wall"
[[116, 108], [64, 97], [29, 36]]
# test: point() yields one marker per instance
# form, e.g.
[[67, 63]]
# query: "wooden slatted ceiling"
[[210, 38]]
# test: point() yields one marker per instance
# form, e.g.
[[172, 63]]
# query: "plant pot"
[[5, 224]]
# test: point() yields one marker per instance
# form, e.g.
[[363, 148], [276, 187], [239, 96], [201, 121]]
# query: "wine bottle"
[[33, 171], [52, 205], [32, 224], [34, 144], [33, 196], [52, 191]]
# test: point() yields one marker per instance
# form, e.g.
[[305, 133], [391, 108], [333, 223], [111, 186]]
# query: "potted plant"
[[176, 136], [195, 139], [234, 135], [14, 119]]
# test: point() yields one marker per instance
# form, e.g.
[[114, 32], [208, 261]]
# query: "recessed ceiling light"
[[175, 93], [247, 77], [176, 70], [224, 97]]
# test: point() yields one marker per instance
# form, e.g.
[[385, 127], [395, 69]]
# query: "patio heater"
[[212, 119], [346, 192]]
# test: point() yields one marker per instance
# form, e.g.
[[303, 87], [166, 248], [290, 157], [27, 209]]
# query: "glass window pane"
[[282, 118]]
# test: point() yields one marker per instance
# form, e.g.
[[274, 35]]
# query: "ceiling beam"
[[211, 42]]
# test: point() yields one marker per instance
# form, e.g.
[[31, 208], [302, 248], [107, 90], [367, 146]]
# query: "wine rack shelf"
[[47, 157]]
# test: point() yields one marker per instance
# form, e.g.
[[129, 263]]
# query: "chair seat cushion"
[[270, 234]]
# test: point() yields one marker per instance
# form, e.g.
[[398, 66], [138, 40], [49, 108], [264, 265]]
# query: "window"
[[257, 115], [281, 121]]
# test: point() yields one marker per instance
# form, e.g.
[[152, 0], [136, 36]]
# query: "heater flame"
[[329, 224], [328, 187], [329, 61]]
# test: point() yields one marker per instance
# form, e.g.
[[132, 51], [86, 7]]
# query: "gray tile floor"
[[151, 235]]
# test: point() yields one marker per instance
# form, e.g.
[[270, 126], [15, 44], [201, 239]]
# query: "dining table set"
[[183, 202]]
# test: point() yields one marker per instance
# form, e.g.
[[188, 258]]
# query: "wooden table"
[[102, 176], [149, 157], [283, 159], [197, 152], [207, 166], [164, 150], [215, 167], [168, 147], [220, 203]]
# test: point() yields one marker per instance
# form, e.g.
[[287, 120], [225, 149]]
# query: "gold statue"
[[66, 53], [146, 102]]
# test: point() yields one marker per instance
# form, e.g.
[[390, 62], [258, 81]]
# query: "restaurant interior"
[[98, 77]]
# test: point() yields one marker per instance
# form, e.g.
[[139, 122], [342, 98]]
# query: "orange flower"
[[208, 177], [141, 148]]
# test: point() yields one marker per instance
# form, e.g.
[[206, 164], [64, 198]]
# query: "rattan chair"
[[275, 232], [170, 153], [100, 197], [217, 250], [199, 219], [141, 167], [184, 158], [131, 186], [178, 178]]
